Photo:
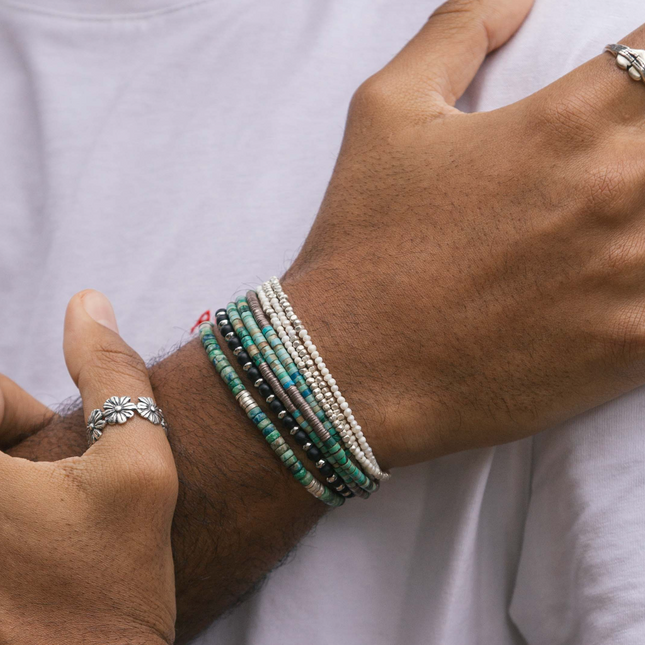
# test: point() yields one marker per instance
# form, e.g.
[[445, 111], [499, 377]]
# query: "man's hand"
[[484, 271], [85, 549]]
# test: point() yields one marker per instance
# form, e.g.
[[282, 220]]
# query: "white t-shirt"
[[170, 153]]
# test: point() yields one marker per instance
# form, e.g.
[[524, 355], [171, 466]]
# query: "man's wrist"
[[239, 510], [318, 300]]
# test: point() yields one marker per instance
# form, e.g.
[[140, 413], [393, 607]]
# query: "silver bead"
[[282, 414], [237, 350], [259, 382], [221, 323], [320, 463], [247, 366], [270, 398], [332, 479], [307, 445]]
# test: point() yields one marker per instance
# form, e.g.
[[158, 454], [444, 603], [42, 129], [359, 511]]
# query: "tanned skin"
[[239, 511], [470, 280]]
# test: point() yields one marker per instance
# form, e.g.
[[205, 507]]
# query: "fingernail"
[[100, 309]]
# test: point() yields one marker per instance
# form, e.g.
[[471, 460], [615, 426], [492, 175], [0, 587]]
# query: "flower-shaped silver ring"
[[148, 409], [117, 410], [95, 426]]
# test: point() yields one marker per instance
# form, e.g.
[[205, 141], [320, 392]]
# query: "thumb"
[[443, 58], [103, 366]]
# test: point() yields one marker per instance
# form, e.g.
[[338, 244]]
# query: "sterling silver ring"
[[631, 60], [118, 410]]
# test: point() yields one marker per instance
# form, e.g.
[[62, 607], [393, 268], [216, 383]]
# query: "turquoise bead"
[[333, 450], [229, 375]]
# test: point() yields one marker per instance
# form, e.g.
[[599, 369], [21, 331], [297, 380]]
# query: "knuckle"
[[377, 96]]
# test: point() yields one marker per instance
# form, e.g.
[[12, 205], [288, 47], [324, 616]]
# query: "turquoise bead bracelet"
[[300, 423], [270, 433], [295, 385], [269, 388], [290, 329]]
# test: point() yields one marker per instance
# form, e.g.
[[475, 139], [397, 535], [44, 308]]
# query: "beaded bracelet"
[[305, 355], [247, 330], [301, 395], [249, 357], [263, 423], [292, 416]]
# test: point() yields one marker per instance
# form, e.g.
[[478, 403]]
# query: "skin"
[[470, 279], [86, 550]]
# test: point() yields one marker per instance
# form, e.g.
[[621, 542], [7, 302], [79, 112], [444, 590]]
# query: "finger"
[[439, 63], [604, 89], [21, 415], [102, 365]]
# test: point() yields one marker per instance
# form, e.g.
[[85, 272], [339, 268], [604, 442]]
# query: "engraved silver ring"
[[631, 60], [118, 410]]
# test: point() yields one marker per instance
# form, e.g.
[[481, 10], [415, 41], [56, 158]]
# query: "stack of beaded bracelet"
[[305, 355], [277, 354], [263, 423], [303, 398], [257, 370]]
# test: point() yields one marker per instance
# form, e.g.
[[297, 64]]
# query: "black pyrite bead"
[[301, 437], [326, 470], [314, 454], [225, 330], [276, 406], [264, 390], [289, 422], [254, 374], [243, 358], [233, 344]]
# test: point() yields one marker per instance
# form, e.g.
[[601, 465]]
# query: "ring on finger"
[[118, 410], [631, 60]]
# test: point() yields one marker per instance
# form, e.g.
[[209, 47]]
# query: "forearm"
[[239, 510]]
